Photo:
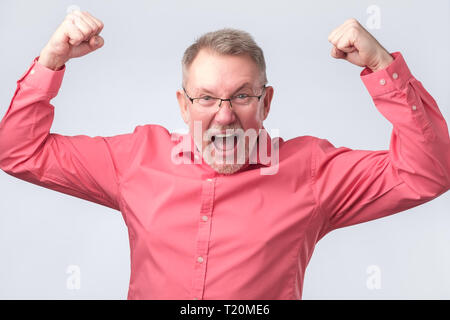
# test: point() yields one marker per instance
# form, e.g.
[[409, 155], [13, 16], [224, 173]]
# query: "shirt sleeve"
[[85, 167], [355, 186]]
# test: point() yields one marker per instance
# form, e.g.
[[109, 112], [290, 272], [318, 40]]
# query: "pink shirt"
[[197, 234]]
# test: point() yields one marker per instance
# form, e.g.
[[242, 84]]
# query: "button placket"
[[203, 236]]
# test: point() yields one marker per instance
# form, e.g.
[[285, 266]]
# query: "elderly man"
[[226, 211]]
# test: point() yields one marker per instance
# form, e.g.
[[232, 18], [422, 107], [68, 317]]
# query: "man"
[[213, 214]]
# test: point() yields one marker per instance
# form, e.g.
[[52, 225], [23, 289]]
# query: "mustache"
[[223, 128]]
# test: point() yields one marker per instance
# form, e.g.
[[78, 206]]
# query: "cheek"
[[199, 122], [251, 120], [260, 114]]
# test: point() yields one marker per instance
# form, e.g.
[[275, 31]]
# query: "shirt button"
[[32, 71], [200, 259], [195, 299], [382, 82], [209, 179], [414, 107], [395, 75], [205, 218]]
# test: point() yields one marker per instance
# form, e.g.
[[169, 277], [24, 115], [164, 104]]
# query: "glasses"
[[240, 100]]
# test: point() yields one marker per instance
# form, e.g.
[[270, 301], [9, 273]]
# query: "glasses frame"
[[221, 100]]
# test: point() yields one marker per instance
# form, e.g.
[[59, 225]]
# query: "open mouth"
[[225, 142]]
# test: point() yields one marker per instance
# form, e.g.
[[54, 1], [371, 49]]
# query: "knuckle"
[[76, 33], [353, 29], [77, 36], [99, 23], [79, 29], [66, 23], [85, 34], [76, 19], [69, 16]]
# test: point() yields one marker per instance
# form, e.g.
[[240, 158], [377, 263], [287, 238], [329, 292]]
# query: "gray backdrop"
[[48, 238]]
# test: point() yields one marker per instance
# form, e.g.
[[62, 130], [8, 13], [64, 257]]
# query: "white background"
[[132, 81]]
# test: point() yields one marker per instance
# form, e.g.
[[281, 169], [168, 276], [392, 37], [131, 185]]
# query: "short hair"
[[225, 41]]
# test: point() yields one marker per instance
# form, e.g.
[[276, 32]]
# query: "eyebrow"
[[204, 90]]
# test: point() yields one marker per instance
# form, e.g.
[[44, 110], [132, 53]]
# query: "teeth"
[[224, 135], [224, 141]]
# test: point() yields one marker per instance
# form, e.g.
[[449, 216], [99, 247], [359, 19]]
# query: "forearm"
[[49, 61], [420, 143], [29, 117]]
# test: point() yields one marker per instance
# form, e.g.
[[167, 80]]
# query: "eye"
[[242, 96], [206, 98]]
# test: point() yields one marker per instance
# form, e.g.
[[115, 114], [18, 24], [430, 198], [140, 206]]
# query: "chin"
[[226, 168], [223, 166]]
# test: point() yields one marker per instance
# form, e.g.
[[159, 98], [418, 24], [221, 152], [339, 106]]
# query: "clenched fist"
[[77, 36], [355, 44]]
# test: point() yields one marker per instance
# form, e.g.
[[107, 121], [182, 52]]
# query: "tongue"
[[224, 143]]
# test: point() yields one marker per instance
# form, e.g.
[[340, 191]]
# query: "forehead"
[[222, 73]]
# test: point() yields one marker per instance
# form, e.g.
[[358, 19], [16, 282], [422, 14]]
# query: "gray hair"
[[226, 41]]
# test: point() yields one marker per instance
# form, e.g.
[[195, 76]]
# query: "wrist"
[[50, 62], [383, 62]]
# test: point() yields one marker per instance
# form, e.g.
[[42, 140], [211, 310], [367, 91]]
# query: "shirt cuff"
[[394, 77], [42, 78]]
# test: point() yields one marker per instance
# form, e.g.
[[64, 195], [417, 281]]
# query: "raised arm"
[[354, 186], [82, 166]]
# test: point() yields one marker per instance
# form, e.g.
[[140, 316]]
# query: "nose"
[[225, 115]]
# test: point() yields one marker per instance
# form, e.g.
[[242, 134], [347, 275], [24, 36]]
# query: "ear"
[[267, 101], [182, 102]]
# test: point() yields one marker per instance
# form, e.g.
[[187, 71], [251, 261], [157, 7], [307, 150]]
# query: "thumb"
[[337, 54], [86, 47], [96, 42]]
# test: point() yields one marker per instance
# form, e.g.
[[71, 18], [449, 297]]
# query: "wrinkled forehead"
[[222, 74]]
